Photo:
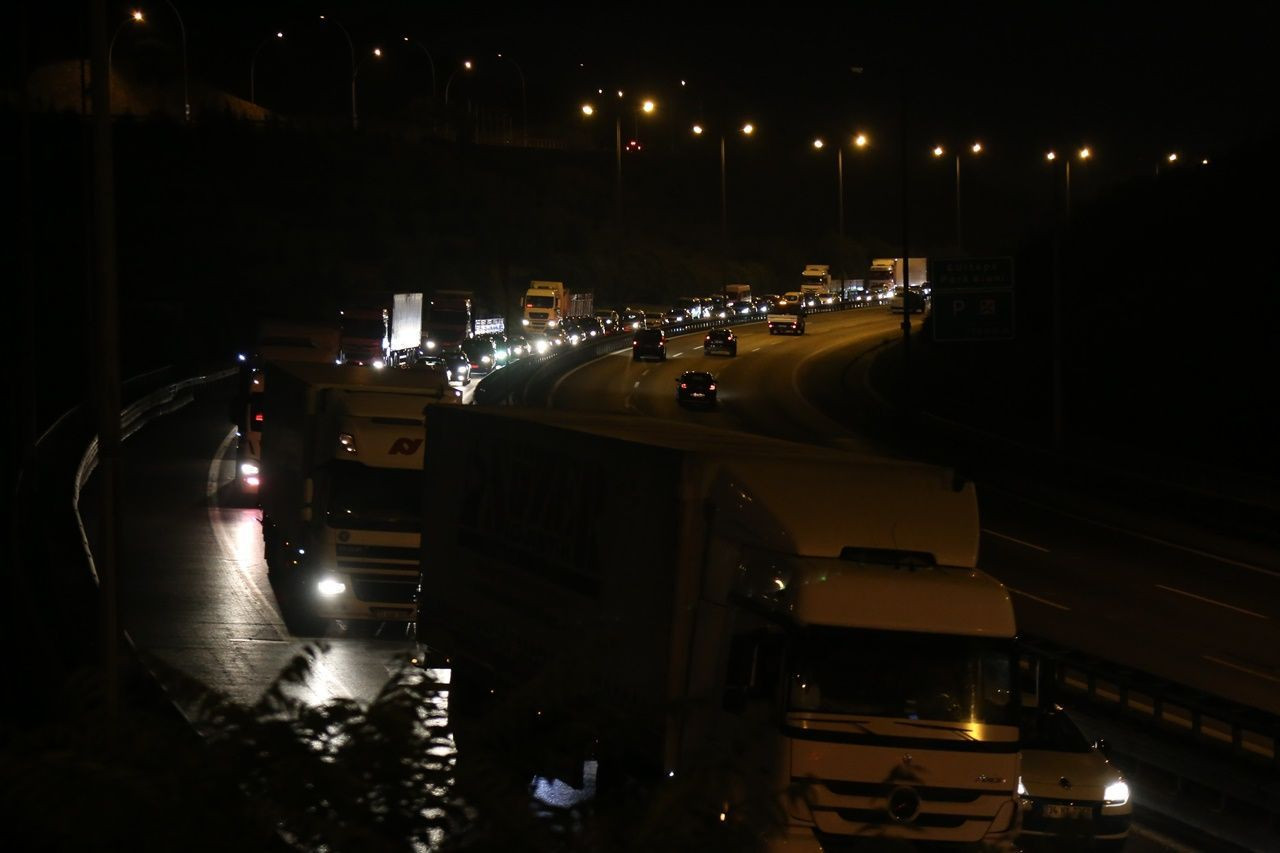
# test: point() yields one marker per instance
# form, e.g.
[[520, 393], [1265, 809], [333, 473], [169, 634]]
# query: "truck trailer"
[[828, 604], [342, 453]]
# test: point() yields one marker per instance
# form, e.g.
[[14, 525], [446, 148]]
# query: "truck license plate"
[[402, 614], [1054, 810]]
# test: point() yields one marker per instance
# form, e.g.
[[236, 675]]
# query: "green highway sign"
[[973, 315], [972, 298], [971, 273]]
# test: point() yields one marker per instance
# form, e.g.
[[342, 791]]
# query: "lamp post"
[[648, 107], [466, 65], [254, 62], [938, 151], [1061, 220], [524, 103], [352, 47], [135, 17], [746, 130], [859, 142], [182, 28], [422, 47]]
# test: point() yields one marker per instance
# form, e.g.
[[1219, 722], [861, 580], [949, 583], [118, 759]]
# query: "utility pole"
[[906, 251], [106, 373]]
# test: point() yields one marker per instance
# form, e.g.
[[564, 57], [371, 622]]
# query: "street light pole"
[[352, 47], [430, 62], [959, 225], [524, 103], [186, 99], [466, 66], [253, 63], [840, 191]]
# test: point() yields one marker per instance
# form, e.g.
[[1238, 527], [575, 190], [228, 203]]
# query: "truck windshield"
[[449, 317], [901, 674], [374, 498], [539, 302], [364, 329]]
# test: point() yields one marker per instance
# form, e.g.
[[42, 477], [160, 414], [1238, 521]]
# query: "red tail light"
[[712, 388], [708, 339], [684, 385], [257, 418]]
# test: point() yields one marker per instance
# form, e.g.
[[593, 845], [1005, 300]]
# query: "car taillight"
[[635, 343], [712, 388], [683, 385], [257, 418]]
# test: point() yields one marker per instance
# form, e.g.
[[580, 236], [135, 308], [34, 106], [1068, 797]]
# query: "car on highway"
[[1068, 788], [630, 319], [482, 354], [609, 320], [518, 347], [714, 308], [739, 308], [501, 348], [453, 363], [696, 386], [676, 317], [649, 343], [720, 340]]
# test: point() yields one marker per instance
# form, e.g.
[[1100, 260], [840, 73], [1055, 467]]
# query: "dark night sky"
[[1149, 77]]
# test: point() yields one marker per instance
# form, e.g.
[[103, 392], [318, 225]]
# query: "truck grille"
[[391, 591], [378, 552]]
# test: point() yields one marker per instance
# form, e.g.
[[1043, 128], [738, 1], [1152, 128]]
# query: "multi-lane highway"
[[1103, 579]]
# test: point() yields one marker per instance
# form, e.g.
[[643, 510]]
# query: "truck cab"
[[544, 306], [342, 489]]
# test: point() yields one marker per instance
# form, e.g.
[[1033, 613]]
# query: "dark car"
[[631, 319], [518, 347], [720, 340], [501, 348], [453, 363], [696, 386], [482, 354], [649, 343]]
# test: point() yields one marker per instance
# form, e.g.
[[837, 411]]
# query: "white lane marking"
[[1011, 539], [645, 372], [672, 354], [757, 349], [636, 384], [1137, 535], [1245, 669], [1211, 601], [1165, 842], [1037, 598]]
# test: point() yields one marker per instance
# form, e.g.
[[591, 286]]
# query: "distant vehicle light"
[[379, 364], [347, 442], [248, 468], [331, 587], [524, 321], [431, 344], [257, 419], [252, 481], [712, 387], [485, 359], [241, 357], [684, 385]]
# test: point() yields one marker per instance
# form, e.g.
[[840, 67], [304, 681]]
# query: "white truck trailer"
[[828, 604]]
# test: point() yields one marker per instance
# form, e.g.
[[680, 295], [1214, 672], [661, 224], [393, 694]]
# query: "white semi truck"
[[342, 452], [826, 604]]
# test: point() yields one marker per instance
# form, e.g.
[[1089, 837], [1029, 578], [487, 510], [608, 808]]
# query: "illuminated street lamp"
[[859, 142], [465, 66], [975, 149], [746, 130], [254, 61], [648, 107], [182, 28], [134, 17]]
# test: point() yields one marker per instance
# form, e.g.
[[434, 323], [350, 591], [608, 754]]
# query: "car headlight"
[[541, 347], [330, 586], [1117, 793], [484, 359], [1022, 789], [431, 344], [248, 469], [379, 364]]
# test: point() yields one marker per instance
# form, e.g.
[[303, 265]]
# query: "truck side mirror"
[[308, 492]]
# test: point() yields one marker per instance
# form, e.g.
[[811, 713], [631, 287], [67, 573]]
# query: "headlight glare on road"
[[331, 587], [1117, 793]]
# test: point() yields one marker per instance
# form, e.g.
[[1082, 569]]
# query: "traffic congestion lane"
[[193, 584], [1099, 589]]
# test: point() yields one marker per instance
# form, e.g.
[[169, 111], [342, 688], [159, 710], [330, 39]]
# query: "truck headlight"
[[1022, 789], [331, 587], [431, 344], [248, 469], [541, 347], [524, 321], [1117, 793], [378, 364]]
